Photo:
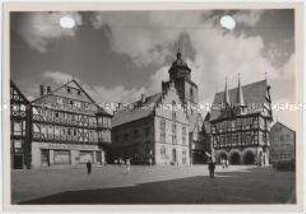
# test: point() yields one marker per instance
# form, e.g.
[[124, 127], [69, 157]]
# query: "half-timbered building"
[[240, 121], [68, 127], [20, 145]]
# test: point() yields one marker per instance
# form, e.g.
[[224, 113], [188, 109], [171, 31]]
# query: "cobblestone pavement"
[[153, 185]]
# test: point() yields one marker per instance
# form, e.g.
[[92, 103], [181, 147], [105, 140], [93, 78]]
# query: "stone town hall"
[[163, 128]]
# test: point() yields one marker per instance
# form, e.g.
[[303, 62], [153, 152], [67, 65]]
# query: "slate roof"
[[254, 96], [136, 110]]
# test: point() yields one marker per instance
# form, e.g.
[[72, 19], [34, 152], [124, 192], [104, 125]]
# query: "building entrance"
[[174, 156], [18, 161], [45, 158]]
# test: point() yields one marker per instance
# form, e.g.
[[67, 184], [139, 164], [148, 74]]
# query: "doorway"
[[174, 155], [45, 157]]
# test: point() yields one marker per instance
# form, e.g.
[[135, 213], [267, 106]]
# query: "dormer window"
[[68, 90]]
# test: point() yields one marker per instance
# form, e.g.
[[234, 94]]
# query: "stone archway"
[[235, 158], [249, 157]]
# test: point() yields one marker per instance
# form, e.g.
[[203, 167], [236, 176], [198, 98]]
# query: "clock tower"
[[180, 75]]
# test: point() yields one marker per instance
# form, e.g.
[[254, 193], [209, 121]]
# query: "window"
[[174, 116], [174, 133], [163, 152], [18, 128], [79, 92], [17, 144], [126, 137], [163, 131], [184, 157], [56, 114], [68, 90], [184, 135]]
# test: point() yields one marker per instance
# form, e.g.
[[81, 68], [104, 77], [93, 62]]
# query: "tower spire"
[[226, 100], [240, 98], [179, 51]]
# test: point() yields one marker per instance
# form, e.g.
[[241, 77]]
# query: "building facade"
[[67, 127], [162, 128], [240, 121], [282, 144], [19, 113]]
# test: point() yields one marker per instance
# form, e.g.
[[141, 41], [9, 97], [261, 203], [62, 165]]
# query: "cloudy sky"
[[119, 55]]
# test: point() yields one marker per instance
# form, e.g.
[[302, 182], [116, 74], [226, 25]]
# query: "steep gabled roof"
[[22, 96], [84, 96], [282, 125], [254, 97], [136, 110]]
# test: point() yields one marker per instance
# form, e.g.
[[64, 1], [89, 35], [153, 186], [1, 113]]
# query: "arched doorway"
[[249, 158], [174, 156], [235, 158]]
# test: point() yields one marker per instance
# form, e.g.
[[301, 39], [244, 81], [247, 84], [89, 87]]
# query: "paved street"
[[153, 185]]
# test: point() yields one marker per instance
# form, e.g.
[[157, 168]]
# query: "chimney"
[[48, 89], [118, 107], [143, 98], [42, 90]]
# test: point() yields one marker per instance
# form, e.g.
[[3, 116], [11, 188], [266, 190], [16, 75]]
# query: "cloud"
[[249, 18], [39, 29], [145, 36], [100, 93], [148, 39], [58, 77]]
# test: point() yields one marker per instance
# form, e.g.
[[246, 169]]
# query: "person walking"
[[226, 163], [211, 168], [128, 166], [88, 166]]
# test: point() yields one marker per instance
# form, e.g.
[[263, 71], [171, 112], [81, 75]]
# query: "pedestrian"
[[226, 164], [223, 163], [211, 168], [128, 166], [88, 166]]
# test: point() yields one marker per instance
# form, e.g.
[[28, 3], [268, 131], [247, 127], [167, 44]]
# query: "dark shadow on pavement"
[[255, 186]]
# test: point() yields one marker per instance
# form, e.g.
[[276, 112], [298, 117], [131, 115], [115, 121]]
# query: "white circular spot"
[[5, 106], [67, 22], [228, 22]]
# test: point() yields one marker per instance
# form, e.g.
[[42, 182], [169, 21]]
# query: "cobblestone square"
[[154, 185]]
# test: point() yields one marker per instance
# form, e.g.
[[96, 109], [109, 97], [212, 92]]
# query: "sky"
[[119, 55]]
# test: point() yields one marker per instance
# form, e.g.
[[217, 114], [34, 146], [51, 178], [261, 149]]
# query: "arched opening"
[[235, 158], [222, 156], [249, 158], [174, 156]]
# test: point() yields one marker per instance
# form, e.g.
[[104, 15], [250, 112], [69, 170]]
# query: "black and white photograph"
[[153, 107]]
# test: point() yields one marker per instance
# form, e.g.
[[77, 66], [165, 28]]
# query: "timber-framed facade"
[[240, 127], [64, 127]]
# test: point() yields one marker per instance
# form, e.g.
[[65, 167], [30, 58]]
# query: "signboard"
[[57, 146]]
